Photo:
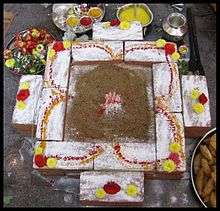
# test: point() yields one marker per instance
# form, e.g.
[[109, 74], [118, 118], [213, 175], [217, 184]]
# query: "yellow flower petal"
[[43, 61], [100, 193], [51, 162], [10, 63], [195, 93], [124, 25], [132, 190], [38, 150], [175, 147], [169, 166], [198, 108], [24, 85], [20, 105], [183, 49], [35, 33], [66, 44], [72, 21], [51, 53], [106, 25], [160, 43], [175, 56]]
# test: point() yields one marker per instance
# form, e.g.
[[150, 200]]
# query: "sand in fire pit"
[[87, 120]]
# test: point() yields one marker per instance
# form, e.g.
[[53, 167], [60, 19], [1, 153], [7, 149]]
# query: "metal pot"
[[175, 27]]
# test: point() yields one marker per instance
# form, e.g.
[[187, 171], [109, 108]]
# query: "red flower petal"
[[111, 188], [169, 48], [174, 157], [117, 147], [115, 22], [203, 99], [58, 46], [86, 21], [23, 94], [40, 160]]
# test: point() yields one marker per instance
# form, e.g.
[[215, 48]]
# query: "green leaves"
[[7, 200]]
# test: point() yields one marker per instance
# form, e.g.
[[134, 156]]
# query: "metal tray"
[[207, 135], [59, 15]]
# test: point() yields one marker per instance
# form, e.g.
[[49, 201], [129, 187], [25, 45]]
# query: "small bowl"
[[144, 6], [207, 135], [175, 25]]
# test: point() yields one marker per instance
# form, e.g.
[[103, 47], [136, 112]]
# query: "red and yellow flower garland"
[[176, 152], [41, 160], [120, 156]]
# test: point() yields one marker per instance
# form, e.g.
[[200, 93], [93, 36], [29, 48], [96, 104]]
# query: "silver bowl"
[[144, 6], [60, 12], [175, 25], [207, 135]]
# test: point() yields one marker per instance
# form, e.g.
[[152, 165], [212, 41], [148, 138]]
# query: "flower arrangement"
[[173, 160], [41, 160], [29, 52], [123, 25], [199, 99], [171, 49], [113, 188]]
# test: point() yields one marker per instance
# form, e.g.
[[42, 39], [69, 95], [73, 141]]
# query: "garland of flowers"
[[52, 54], [22, 95], [199, 99], [118, 153], [41, 160], [147, 47], [172, 162], [58, 99]]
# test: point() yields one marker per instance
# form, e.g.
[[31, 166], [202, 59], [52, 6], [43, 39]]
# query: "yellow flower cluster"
[[198, 108], [175, 56], [10, 63], [100, 193], [195, 93], [169, 166], [51, 53], [35, 33], [51, 162], [175, 147], [66, 44], [24, 85], [38, 150], [160, 43], [132, 190], [124, 25], [20, 105]]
